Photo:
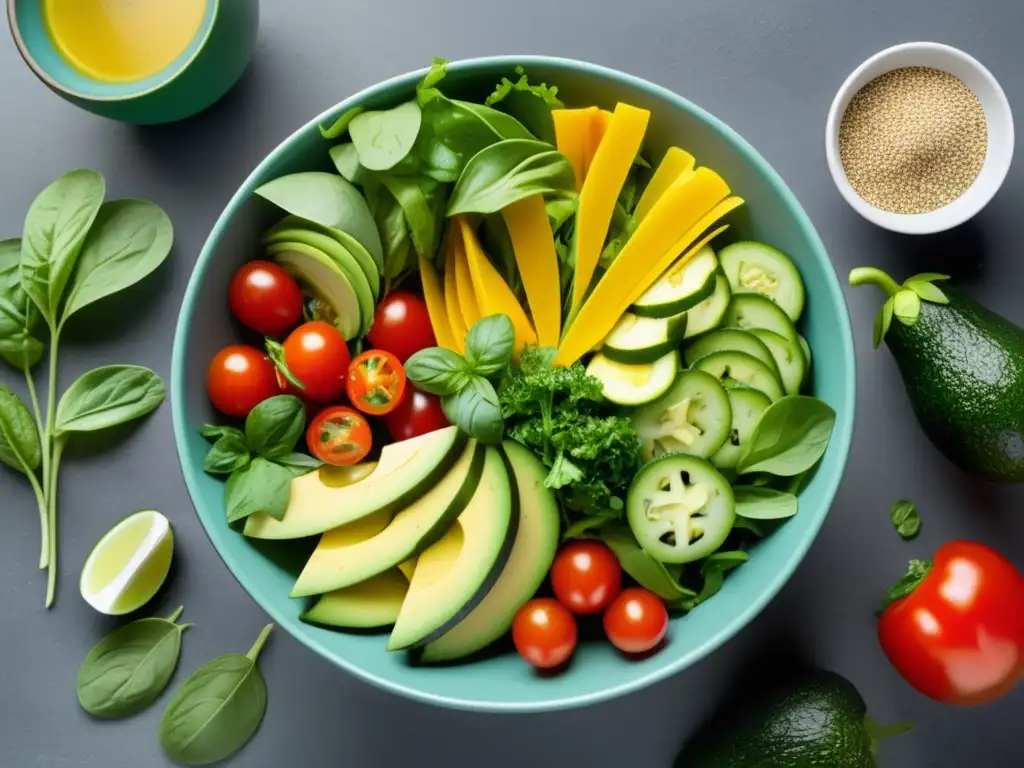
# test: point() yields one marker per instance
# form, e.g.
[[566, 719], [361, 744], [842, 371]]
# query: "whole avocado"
[[963, 368]]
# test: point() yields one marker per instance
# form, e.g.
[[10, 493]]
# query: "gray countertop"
[[769, 69]]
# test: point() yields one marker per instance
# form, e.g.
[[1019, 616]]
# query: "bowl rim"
[[42, 74], [842, 437], [948, 216]]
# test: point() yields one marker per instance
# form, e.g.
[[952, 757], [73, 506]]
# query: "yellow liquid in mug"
[[120, 41]]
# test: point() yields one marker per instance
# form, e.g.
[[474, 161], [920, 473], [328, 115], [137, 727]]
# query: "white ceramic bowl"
[[997, 115]]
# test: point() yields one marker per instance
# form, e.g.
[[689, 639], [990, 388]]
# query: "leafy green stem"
[[878, 733], [34, 399], [44, 528], [51, 581], [254, 652], [874, 276]]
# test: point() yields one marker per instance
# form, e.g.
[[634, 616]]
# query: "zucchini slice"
[[692, 417], [681, 287], [747, 405], [789, 358], [758, 268], [708, 314], [725, 339], [637, 340], [738, 368], [634, 384], [751, 310]]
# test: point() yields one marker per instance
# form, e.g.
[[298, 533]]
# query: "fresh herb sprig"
[[905, 519]]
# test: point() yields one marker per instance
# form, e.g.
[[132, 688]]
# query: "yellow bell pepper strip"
[[492, 292], [468, 304], [572, 135], [433, 295], [600, 119], [600, 191], [451, 296], [681, 207], [534, 246], [675, 163]]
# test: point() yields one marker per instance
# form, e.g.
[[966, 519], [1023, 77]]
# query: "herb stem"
[[30, 383], [254, 652], [51, 581], [44, 535], [46, 436]]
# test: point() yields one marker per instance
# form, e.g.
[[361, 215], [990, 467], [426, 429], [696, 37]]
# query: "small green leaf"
[[906, 307], [916, 573], [384, 137], [421, 200], [489, 345], [299, 463], [759, 503], [212, 432], [713, 570], [641, 567], [338, 128], [563, 472], [438, 371], [20, 448], [229, 453], [108, 396], [905, 519], [19, 314], [475, 410], [260, 486], [927, 291], [790, 438], [927, 277], [882, 321], [586, 527], [274, 426], [276, 354]]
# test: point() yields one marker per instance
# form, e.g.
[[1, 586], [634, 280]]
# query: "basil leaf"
[[790, 438], [299, 463], [340, 126], [276, 354], [229, 453], [217, 709], [129, 239], [18, 313], [422, 202], [128, 669], [905, 519], [644, 569], [108, 396], [384, 137], [328, 200], [509, 171], [213, 432], [438, 371], [21, 350], [475, 410], [489, 345], [274, 426], [55, 228], [19, 438], [260, 486], [346, 161], [758, 503]]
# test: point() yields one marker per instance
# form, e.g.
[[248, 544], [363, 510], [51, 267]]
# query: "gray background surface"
[[769, 69]]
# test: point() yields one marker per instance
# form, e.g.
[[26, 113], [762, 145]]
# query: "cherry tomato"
[[240, 378], [586, 576], [317, 355], [544, 633], [265, 298], [402, 325], [958, 637], [636, 621], [376, 382], [339, 436], [417, 414]]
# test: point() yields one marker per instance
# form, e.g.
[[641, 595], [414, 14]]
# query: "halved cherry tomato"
[[316, 355], [339, 436], [376, 382], [544, 633], [958, 636], [402, 326], [417, 414], [636, 621], [265, 298], [239, 378], [586, 576]]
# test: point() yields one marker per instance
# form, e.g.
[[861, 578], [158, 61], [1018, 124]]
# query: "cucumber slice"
[[681, 287], [637, 340], [738, 368], [746, 405], [726, 339], [634, 384], [692, 417], [789, 358], [807, 350], [758, 268], [751, 310], [709, 312], [680, 508]]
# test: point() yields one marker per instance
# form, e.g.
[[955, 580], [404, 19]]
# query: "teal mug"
[[205, 70]]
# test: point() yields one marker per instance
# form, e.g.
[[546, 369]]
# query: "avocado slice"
[[337, 562], [345, 263], [532, 554], [324, 280], [405, 471], [372, 603], [456, 573], [299, 226]]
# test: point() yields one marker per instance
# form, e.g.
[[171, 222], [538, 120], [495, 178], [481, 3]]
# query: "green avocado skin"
[[963, 367], [816, 720]]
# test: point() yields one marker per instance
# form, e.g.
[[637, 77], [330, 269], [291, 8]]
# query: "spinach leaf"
[[129, 239], [507, 172], [19, 439], [438, 371], [644, 569], [128, 669], [259, 486], [328, 200], [274, 426], [229, 453], [105, 397], [55, 228], [905, 519], [530, 104], [489, 345], [713, 571], [422, 202], [759, 503], [475, 410], [18, 313], [298, 463], [346, 161], [383, 138], [217, 709], [338, 128], [790, 438]]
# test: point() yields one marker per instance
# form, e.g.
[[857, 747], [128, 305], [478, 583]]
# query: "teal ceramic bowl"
[[205, 71], [502, 682]]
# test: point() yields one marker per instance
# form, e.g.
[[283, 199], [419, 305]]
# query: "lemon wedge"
[[129, 564]]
